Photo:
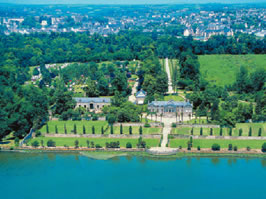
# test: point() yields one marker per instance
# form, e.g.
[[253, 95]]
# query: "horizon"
[[126, 2]]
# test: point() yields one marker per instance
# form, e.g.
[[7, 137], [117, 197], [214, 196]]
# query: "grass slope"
[[221, 69]]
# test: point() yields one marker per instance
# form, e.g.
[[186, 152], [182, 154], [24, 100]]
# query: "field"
[[222, 69], [173, 97], [205, 143], [101, 141], [216, 131], [97, 125]]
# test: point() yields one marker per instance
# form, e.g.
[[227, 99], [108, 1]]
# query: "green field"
[[216, 131], [101, 141], [221, 69], [204, 143], [173, 97], [97, 125]]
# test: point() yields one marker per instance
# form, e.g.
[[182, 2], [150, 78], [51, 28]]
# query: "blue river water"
[[71, 176]]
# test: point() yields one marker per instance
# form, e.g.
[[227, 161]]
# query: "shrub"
[[112, 144], [230, 132], [76, 144], [263, 148], [189, 145], [97, 146], [180, 147], [102, 130], [42, 143], [147, 125], [173, 125], [141, 143], [88, 143], [93, 130], [112, 130], [140, 130], [191, 132], [35, 144], [240, 132], [47, 129], [216, 147], [235, 148], [84, 130], [248, 148], [94, 117], [221, 131], [259, 133], [250, 131], [38, 134], [230, 147], [128, 145], [65, 129], [211, 131], [75, 129], [121, 129], [198, 148], [51, 143], [201, 131], [130, 130], [16, 141], [92, 144]]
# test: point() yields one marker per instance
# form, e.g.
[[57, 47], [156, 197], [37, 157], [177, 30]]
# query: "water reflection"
[[215, 161], [263, 162]]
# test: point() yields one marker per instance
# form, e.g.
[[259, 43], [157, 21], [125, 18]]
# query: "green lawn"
[[100, 141], [173, 65], [97, 125], [173, 97], [221, 69], [204, 143], [216, 131]]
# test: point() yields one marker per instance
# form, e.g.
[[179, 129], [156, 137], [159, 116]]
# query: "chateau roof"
[[141, 93], [92, 99]]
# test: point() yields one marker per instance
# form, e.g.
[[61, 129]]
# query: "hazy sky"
[[125, 1]]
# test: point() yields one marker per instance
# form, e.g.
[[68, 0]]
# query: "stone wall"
[[218, 137], [199, 125], [138, 124]]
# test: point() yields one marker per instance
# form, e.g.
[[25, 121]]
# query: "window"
[[98, 106], [91, 106]]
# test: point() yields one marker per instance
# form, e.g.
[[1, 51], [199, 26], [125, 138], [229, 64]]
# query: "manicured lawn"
[[101, 141], [204, 143], [222, 69], [173, 65], [216, 131], [173, 97], [97, 125]]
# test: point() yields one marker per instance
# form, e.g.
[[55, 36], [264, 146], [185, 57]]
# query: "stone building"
[[140, 97], [171, 108], [92, 103]]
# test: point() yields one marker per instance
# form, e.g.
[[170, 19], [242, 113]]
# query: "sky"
[[126, 1]]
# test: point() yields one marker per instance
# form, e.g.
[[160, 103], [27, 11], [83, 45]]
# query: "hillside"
[[222, 69]]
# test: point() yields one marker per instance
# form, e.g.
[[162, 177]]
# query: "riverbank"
[[112, 153]]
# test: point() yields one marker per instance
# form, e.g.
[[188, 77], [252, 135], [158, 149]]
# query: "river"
[[70, 176]]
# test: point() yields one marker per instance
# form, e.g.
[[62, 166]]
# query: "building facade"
[[171, 108], [93, 104], [140, 97]]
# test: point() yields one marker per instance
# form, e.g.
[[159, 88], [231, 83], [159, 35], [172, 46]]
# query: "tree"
[[102, 130], [128, 145], [201, 131], [112, 130], [121, 129], [93, 129], [75, 129], [230, 131], [16, 141], [141, 143], [84, 130], [211, 132], [35, 144], [111, 118], [130, 130], [140, 130], [221, 131], [56, 130], [250, 131], [35, 71], [88, 143], [216, 147], [191, 132], [230, 147], [76, 144], [91, 89]]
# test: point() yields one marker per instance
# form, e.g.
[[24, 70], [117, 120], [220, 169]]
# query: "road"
[[170, 88]]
